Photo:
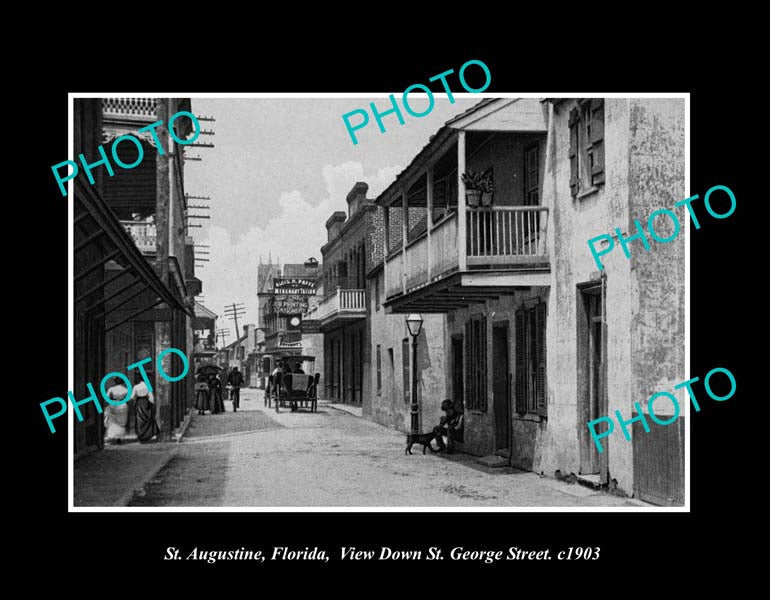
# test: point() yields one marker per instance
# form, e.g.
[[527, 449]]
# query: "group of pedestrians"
[[210, 389], [116, 417]]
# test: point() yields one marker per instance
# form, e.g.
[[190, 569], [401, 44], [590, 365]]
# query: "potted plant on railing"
[[472, 183], [487, 190]]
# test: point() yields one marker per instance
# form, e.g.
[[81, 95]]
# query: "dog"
[[419, 438]]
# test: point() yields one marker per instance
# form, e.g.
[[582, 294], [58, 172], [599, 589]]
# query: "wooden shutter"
[[597, 140], [468, 381], [521, 362], [540, 359], [574, 121], [379, 369], [482, 350]]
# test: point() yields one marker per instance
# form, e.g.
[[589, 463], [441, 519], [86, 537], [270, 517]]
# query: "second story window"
[[532, 175], [586, 146]]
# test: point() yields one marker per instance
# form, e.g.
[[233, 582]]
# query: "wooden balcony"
[[443, 254], [341, 307], [504, 247]]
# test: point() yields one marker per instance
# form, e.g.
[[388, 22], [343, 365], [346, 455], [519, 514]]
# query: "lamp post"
[[414, 323]]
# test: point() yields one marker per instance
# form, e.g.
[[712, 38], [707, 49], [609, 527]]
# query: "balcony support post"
[[461, 226], [429, 218]]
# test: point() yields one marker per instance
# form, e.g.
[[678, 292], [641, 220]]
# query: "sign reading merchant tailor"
[[298, 286]]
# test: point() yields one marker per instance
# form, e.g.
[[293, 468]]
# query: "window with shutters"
[[530, 360], [475, 344], [586, 146]]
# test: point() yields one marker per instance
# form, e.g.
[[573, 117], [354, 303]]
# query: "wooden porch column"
[[461, 234], [405, 230], [429, 218]]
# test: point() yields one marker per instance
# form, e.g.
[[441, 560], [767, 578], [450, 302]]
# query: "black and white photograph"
[[417, 301]]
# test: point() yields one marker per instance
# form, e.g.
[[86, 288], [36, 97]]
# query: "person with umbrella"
[[206, 397]]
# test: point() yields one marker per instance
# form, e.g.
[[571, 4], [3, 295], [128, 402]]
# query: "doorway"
[[458, 385], [592, 377], [457, 371], [500, 387]]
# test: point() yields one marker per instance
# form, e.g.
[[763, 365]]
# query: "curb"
[[337, 408], [185, 424], [162, 462]]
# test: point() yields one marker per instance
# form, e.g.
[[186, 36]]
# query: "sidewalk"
[[110, 477]]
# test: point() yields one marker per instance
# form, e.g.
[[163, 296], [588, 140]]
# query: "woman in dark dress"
[[202, 393], [215, 400], [144, 408]]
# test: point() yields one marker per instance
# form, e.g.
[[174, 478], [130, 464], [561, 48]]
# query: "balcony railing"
[[340, 303], [506, 233], [503, 237], [144, 234], [131, 107]]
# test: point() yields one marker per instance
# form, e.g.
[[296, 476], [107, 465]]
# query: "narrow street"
[[256, 457]]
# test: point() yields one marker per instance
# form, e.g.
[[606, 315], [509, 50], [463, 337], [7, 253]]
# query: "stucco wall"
[[388, 331], [643, 171]]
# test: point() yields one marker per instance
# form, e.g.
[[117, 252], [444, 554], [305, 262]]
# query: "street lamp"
[[414, 323]]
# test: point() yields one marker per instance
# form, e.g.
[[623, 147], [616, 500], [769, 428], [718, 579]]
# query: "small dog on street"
[[418, 438]]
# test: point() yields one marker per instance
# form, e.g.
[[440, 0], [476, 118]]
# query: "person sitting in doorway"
[[450, 425]]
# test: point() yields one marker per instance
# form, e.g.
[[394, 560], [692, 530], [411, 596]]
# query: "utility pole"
[[223, 332], [233, 312]]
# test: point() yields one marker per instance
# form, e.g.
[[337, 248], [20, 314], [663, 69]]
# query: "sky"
[[280, 167]]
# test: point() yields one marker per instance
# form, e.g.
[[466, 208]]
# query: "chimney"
[[334, 224], [356, 197]]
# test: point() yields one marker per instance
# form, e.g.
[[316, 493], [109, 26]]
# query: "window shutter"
[[574, 120], [597, 140], [541, 393], [483, 364], [521, 363], [468, 381]]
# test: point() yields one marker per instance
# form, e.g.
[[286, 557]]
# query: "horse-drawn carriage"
[[293, 389]]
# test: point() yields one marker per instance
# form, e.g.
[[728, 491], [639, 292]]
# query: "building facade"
[[134, 287], [342, 315], [285, 294], [530, 319]]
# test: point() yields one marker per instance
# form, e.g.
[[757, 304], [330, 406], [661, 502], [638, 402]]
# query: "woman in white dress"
[[116, 417]]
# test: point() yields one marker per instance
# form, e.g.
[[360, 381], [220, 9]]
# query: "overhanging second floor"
[[465, 222]]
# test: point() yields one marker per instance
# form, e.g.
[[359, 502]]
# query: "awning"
[[97, 226]]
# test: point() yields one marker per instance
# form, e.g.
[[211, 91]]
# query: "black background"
[[636, 548]]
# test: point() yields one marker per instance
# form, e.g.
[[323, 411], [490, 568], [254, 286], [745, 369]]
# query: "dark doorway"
[[457, 371], [592, 378], [458, 386], [500, 391]]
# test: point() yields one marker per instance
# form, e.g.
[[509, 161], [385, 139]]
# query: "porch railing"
[[341, 300], [144, 234], [507, 232], [498, 235]]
